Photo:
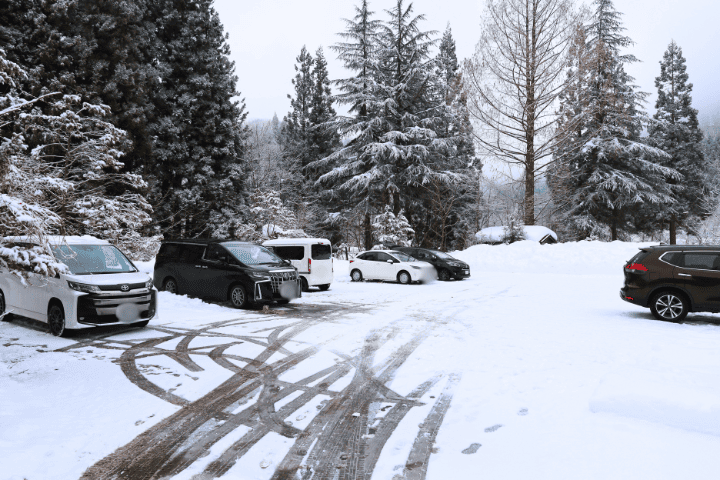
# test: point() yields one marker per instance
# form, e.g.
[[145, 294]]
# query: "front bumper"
[[116, 309], [266, 292], [460, 272]]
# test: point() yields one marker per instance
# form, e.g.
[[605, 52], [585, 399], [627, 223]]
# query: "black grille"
[[133, 286], [278, 277]]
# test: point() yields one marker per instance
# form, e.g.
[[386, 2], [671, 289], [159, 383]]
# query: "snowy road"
[[504, 375]]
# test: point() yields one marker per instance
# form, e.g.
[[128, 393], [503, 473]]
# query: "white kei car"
[[390, 265]]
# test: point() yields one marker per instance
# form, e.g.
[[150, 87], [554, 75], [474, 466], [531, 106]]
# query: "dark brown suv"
[[673, 280]]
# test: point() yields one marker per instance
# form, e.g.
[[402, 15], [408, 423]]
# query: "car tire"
[[238, 296], [404, 277], [324, 288], [305, 286], [356, 275], [5, 317], [283, 302], [142, 324], [56, 320], [444, 275], [170, 285], [669, 306]]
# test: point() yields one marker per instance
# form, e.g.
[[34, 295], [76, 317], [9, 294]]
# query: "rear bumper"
[[634, 296]]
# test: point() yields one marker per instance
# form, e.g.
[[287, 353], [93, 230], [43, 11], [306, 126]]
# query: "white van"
[[311, 256], [102, 288]]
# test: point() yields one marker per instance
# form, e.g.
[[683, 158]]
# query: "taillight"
[[637, 266], [351, 261], [309, 265]]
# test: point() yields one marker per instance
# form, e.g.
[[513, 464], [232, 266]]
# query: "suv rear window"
[[674, 258], [289, 252], [321, 252]]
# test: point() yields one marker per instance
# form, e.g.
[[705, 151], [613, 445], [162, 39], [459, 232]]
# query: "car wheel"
[[444, 275], [305, 286], [170, 286], [56, 320], [669, 306], [5, 317], [324, 288], [356, 276], [404, 277], [238, 297]]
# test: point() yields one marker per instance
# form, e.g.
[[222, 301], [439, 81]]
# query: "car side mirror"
[[390, 261]]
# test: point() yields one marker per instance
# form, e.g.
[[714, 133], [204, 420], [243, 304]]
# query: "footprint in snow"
[[472, 448], [523, 412], [493, 428]]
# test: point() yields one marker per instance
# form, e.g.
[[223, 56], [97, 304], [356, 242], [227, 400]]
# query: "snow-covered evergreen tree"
[[676, 131], [322, 140], [393, 147], [199, 127], [611, 174], [296, 125], [61, 173], [391, 229]]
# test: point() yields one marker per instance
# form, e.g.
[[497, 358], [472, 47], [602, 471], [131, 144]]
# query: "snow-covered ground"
[[531, 368]]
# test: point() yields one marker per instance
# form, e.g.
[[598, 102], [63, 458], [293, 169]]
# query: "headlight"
[[258, 276], [81, 287], [149, 284]]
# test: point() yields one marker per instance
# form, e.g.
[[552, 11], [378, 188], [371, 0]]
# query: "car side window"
[[703, 261], [290, 252], [213, 253], [420, 255], [383, 257], [192, 253], [675, 258], [170, 250], [371, 257]]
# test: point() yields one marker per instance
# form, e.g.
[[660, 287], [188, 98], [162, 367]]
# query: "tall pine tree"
[[396, 148], [611, 174], [676, 131], [199, 128]]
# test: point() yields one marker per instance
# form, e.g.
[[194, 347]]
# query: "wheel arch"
[[674, 289]]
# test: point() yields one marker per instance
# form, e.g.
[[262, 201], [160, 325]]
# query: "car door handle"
[[684, 275]]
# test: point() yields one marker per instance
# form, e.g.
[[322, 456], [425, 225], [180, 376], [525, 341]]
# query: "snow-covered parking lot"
[[532, 368]]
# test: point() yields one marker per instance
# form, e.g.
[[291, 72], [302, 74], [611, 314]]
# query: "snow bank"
[[574, 258], [532, 232], [687, 401]]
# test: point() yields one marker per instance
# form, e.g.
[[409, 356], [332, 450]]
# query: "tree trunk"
[[613, 227], [368, 231], [673, 231]]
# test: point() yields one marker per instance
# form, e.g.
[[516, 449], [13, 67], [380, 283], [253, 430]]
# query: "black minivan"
[[447, 267], [242, 272]]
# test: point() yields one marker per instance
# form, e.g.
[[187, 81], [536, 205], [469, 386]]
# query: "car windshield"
[[252, 254], [404, 257], [93, 259], [442, 255]]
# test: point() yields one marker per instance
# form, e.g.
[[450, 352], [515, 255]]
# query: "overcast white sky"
[[267, 35]]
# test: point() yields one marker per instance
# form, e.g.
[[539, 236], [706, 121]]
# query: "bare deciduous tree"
[[515, 79]]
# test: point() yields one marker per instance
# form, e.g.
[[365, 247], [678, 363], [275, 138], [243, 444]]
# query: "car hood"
[[274, 267], [109, 278]]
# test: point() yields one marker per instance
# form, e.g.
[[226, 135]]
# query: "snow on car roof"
[[59, 240], [303, 241]]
